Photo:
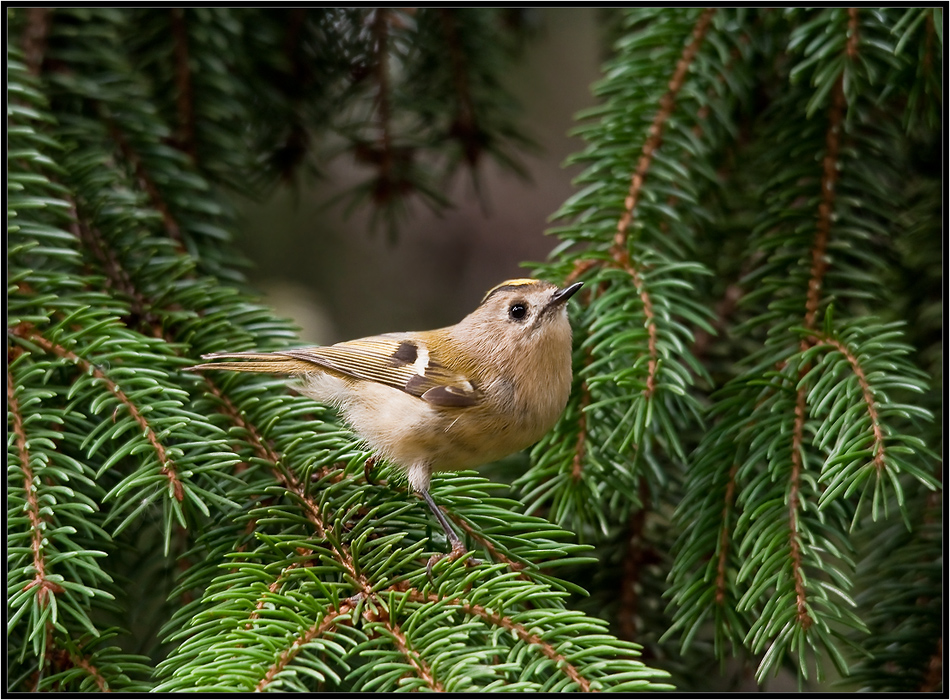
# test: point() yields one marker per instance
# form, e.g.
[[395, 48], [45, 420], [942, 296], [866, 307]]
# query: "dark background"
[[339, 279]]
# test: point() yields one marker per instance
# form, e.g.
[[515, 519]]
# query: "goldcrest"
[[445, 399]]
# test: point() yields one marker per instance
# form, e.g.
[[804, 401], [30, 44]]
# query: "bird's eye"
[[518, 311]]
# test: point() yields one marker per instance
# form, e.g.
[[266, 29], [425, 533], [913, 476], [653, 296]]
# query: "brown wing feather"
[[273, 363], [395, 360], [375, 359]]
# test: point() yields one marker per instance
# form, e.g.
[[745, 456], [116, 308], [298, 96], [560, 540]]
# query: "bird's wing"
[[395, 360]]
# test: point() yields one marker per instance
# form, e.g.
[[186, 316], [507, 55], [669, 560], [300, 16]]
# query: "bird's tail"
[[270, 362]]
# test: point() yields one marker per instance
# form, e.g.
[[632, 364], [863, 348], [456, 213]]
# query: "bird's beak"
[[562, 295]]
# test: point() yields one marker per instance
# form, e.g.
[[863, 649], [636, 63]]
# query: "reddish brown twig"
[[44, 587], [517, 629], [794, 503], [867, 394], [655, 136], [312, 511], [418, 663], [819, 262], [329, 621], [819, 267], [28, 332], [724, 537], [620, 250], [93, 672], [148, 184], [486, 543]]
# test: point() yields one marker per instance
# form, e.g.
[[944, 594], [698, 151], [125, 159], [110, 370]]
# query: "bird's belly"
[[409, 431], [453, 439]]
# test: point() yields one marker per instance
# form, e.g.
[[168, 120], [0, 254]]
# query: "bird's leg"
[[458, 549]]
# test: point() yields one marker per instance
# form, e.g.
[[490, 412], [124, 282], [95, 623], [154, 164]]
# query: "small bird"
[[446, 399]]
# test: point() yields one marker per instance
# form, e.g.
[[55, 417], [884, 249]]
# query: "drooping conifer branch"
[[655, 137], [402, 644], [794, 504], [819, 267], [31, 334], [148, 184], [44, 587], [634, 559], [381, 33], [866, 393], [294, 485], [327, 623], [507, 623], [386, 161], [86, 665], [293, 147], [464, 126], [724, 539], [620, 249]]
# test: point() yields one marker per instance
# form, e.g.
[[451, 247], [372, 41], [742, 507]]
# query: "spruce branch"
[[786, 393], [655, 136], [751, 438], [168, 469], [618, 272]]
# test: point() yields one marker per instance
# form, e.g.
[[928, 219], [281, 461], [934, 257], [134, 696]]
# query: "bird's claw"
[[458, 550]]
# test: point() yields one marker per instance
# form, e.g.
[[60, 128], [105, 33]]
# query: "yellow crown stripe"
[[520, 282]]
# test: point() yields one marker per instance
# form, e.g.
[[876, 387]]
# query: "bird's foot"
[[458, 550]]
